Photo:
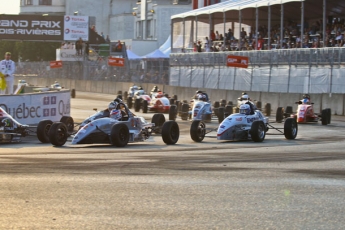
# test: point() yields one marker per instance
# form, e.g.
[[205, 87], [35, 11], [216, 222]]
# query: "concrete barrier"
[[336, 102]]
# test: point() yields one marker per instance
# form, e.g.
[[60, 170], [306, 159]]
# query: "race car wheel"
[[172, 112], [129, 102], [230, 103], [279, 114], [137, 105], [221, 114], [329, 115], [72, 93], [268, 109], [125, 95], [172, 101], [58, 134], [258, 131], [175, 97], [119, 92], [145, 106], [184, 111], [158, 119], [170, 132], [258, 105], [290, 128], [324, 117], [119, 96], [119, 135], [222, 102], [216, 104], [43, 129], [197, 131], [228, 110], [69, 122]]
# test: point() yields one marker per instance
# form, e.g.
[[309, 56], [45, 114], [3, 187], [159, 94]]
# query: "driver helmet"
[[245, 97], [135, 87], [201, 97], [305, 101], [245, 109], [112, 105], [306, 96], [118, 100], [155, 88], [115, 114], [198, 91]]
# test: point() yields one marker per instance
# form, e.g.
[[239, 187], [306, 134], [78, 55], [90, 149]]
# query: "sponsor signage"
[[31, 27], [237, 61], [112, 61], [76, 27], [55, 64], [68, 55], [32, 108]]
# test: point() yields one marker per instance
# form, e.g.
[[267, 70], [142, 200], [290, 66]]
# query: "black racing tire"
[[236, 110], [258, 105], [222, 103], [216, 104], [166, 95], [125, 95], [230, 103], [324, 117], [221, 112], [172, 112], [145, 106], [215, 111], [280, 114], [290, 128], [228, 110], [58, 134], [43, 130], [158, 119], [258, 131], [137, 105], [171, 101], [197, 131], [119, 92], [119, 135], [175, 97], [69, 122], [288, 110], [170, 132], [268, 109], [184, 111], [73, 93], [329, 116], [119, 96], [129, 102]]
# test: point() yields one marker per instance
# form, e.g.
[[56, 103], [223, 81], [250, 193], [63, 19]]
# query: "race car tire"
[[125, 95], [236, 110], [175, 97], [170, 132], [43, 129], [221, 112], [268, 109], [288, 111], [119, 96], [145, 106], [230, 103], [172, 112], [216, 104], [137, 105], [58, 134], [228, 110], [258, 105], [222, 102], [329, 115], [158, 119], [197, 131], [324, 117], [280, 114], [119, 135], [129, 102], [215, 111], [72, 93], [172, 101], [184, 111], [119, 92], [69, 122], [258, 131], [290, 128]]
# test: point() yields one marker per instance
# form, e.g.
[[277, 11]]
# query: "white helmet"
[[245, 109], [245, 97], [115, 114], [201, 97], [112, 105]]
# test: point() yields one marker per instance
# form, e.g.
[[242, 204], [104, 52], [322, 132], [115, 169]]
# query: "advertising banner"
[[55, 64], [30, 109], [76, 27], [116, 61], [237, 61], [31, 27], [68, 55]]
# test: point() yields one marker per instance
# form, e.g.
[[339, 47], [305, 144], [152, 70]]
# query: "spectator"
[[107, 40], [207, 45], [212, 36], [217, 36], [8, 67], [199, 47], [243, 33]]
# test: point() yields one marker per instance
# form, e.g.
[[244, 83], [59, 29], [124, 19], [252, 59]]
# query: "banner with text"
[[237, 61], [76, 27]]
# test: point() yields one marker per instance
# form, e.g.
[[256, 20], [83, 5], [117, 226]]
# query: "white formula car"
[[243, 126], [100, 128]]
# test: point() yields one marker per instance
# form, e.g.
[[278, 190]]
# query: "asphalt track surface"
[[276, 184]]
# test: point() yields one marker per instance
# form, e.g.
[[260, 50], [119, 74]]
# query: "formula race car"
[[246, 125], [100, 128], [158, 102], [13, 131], [305, 113]]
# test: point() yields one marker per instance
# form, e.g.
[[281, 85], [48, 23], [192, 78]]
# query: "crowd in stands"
[[312, 37]]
